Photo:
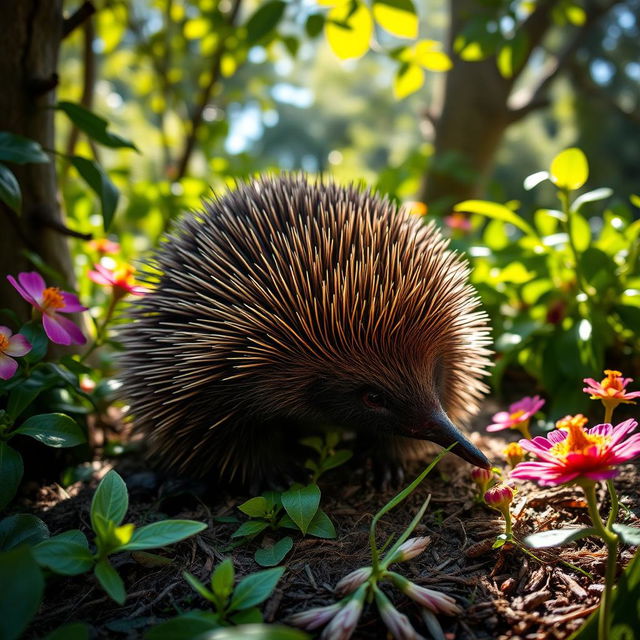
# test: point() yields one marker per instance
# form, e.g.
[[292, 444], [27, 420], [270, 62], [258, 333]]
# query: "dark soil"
[[504, 593]]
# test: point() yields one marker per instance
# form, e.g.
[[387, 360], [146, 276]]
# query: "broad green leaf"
[[591, 196], [21, 528], [35, 334], [67, 553], [247, 616], [408, 79], [314, 25], [11, 470], [110, 500], [580, 231], [222, 579], [159, 534], [569, 169], [255, 507], [53, 429], [321, 526], [21, 397], [301, 503], [397, 17], [250, 528], [198, 587], [497, 212], [558, 537], [71, 631], [314, 442], [628, 535], [185, 627], [93, 125], [22, 587], [273, 555], [335, 460], [349, 33], [264, 20], [93, 174], [256, 632], [20, 150], [10, 192], [110, 580], [535, 179], [255, 588]]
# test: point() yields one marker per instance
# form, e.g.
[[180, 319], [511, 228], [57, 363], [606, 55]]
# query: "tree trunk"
[[30, 36]]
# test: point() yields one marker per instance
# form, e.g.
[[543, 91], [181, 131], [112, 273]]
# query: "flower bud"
[[499, 497], [314, 618], [345, 621], [397, 623], [352, 581], [434, 600], [514, 454], [482, 477], [409, 549]]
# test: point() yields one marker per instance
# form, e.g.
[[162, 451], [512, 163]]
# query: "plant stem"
[[611, 541], [524, 429], [615, 504], [563, 196], [102, 327], [608, 413]]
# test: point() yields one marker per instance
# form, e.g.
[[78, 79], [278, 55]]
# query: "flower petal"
[[621, 430], [98, 278], [54, 329], [21, 291], [497, 427], [70, 329], [33, 283], [8, 366], [71, 303], [5, 331], [18, 346]]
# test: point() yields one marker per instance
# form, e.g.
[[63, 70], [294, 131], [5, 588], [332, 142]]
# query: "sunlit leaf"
[[591, 196], [580, 231], [558, 537], [569, 169], [196, 28], [575, 14], [535, 179], [397, 17], [408, 79], [349, 33], [93, 174], [497, 212], [53, 429], [111, 499]]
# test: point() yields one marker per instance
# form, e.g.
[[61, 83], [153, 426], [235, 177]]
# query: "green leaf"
[[11, 470], [580, 231], [110, 580], [256, 632], [222, 579], [159, 534], [314, 25], [255, 507], [20, 150], [21, 397], [71, 631], [250, 528], [248, 616], [21, 528], [314, 442], [53, 429], [10, 192], [98, 180], [35, 334], [533, 180], [628, 535], [22, 588], [301, 503], [198, 587], [67, 553], [349, 28], [93, 125], [255, 588], [591, 196], [398, 17], [408, 79], [569, 169], [185, 627], [273, 555], [110, 500], [338, 458], [321, 526], [264, 20], [558, 537], [497, 212]]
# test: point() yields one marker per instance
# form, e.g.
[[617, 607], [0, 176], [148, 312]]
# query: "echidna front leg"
[[387, 460]]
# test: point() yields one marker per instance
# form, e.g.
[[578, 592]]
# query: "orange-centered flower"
[[52, 298], [121, 280], [611, 390]]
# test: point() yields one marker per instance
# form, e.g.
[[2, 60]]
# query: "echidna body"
[[286, 304]]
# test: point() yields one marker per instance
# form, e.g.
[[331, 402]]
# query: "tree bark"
[[30, 36]]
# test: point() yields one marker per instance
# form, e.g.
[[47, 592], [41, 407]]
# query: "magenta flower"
[[518, 415], [120, 280], [611, 391], [50, 301], [574, 453], [11, 346]]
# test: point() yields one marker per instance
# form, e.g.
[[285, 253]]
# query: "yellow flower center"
[[123, 276], [513, 450], [613, 380], [4, 342], [516, 414], [52, 298], [577, 440]]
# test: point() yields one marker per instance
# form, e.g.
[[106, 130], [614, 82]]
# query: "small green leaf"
[[497, 212], [250, 528], [110, 580], [21, 528], [93, 125], [185, 627], [580, 232], [67, 553], [159, 534], [197, 586], [20, 150], [22, 588], [21, 397], [248, 616], [93, 174], [273, 555], [255, 507], [255, 588], [314, 25], [301, 503], [110, 500], [53, 429], [569, 169], [628, 535], [11, 470], [10, 192], [321, 526], [264, 20], [35, 334], [222, 579], [338, 458], [558, 537], [71, 631], [313, 442]]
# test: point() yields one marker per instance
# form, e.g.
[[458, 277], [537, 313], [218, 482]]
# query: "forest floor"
[[504, 593]]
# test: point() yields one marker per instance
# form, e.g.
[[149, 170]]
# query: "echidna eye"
[[373, 399]]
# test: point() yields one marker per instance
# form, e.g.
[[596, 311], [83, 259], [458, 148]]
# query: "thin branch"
[[64, 230], [80, 15]]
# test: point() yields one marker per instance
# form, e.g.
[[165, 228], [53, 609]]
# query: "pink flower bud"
[[397, 623], [409, 549], [314, 618], [434, 600], [482, 477], [499, 497], [352, 581], [345, 621]]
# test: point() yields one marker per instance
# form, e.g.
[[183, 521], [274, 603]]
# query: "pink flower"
[[410, 549], [436, 601], [314, 618], [574, 453], [499, 497], [458, 221], [50, 301], [103, 246], [11, 345], [397, 623], [352, 581], [345, 621], [120, 280], [518, 415], [611, 390]]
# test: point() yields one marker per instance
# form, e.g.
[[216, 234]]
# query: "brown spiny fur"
[[280, 283]]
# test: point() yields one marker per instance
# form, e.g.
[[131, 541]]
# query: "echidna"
[[287, 304]]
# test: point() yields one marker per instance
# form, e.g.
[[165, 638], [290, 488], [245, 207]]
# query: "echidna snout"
[[288, 304]]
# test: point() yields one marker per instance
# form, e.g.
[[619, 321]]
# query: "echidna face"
[[291, 299]]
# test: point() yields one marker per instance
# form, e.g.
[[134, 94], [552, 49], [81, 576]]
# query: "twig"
[[64, 230], [82, 13]]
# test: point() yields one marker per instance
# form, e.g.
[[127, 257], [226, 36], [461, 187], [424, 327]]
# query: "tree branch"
[[82, 13]]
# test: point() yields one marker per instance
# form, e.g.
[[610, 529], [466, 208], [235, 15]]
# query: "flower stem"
[[611, 541], [615, 504], [102, 328], [608, 413], [523, 427]]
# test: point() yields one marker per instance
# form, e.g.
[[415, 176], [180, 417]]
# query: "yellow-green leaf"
[[124, 533], [196, 28], [349, 33], [497, 212], [575, 15], [426, 54], [569, 169], [397, 17], [408, 80]]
